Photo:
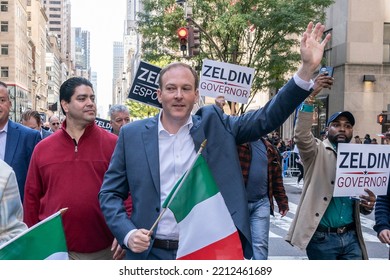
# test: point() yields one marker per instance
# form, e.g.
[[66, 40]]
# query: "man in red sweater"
[[66, 171]]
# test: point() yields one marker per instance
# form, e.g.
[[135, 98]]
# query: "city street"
[[279, 249]]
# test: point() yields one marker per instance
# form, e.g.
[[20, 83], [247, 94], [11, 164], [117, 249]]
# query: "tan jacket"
[[11, 210], [319, 161]]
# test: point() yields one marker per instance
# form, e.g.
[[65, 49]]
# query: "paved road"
[[279, 249]]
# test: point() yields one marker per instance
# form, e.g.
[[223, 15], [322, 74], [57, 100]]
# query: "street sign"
[[145, 85]]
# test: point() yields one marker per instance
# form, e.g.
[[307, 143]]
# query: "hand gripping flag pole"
[[178, 187]]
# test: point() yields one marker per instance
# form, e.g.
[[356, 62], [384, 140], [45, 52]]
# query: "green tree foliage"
[[139, 110], [261, 34]]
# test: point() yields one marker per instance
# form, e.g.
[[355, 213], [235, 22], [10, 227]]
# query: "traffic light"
[[182, 32], [381, 119], [193, 41]]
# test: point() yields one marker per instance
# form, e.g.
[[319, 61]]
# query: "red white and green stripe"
[[206, 229], [45, 240]]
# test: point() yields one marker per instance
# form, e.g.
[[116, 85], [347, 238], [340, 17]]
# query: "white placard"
[[230, 80], [361, 166]]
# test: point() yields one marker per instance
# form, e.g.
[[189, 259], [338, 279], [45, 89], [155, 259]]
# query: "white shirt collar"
[[5, 128], [161, 128]]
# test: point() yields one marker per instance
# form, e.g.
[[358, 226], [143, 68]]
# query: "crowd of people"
[[114, 184]]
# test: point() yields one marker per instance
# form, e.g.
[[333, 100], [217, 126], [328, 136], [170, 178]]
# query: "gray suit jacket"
[[134, 165], [45, 133]]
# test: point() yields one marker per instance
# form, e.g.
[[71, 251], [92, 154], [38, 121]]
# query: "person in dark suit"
[[32, 119], [152, 154], [17, 142]]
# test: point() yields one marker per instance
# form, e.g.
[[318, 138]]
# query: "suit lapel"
[[13, 134], [151, 150], [198, 135]]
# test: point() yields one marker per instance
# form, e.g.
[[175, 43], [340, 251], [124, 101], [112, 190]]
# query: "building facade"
[[118, 86], [81, 50], [59, 23], [132, 44], [359, 51], [15, 55]]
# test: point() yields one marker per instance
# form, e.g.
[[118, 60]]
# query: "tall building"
[[131, 43], [81, 51], [36, 30], [15, 54], [54, 75], [94, 82], [359, 51], [117, 74], [59, 23]]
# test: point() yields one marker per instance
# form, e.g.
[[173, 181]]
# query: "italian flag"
[[45, 240], [206, 229]]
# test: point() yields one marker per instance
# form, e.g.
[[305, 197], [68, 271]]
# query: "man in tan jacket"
[[327, 227]]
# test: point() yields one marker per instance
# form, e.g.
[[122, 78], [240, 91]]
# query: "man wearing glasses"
[[54, 122]]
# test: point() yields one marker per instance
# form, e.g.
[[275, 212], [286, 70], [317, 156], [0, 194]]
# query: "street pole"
[[190, 20]]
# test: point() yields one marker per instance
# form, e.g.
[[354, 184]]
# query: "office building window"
[[386, 42], [4, 26], [4, 6], [4, 49], [4, 72], [328, 49]]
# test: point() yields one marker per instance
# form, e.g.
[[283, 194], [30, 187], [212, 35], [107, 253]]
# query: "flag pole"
[[59, 212], [178, 187], [63, 210]]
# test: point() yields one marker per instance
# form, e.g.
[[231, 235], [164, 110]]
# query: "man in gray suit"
[[152, 154], [17, 142]]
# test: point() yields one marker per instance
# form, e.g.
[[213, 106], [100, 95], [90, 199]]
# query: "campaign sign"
[[362, 166], [145, 84], [103, 123], [230, 80]]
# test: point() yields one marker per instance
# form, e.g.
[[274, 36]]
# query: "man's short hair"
[[53, 116], [174, 65], [26, 115], [68, 87], [118, 108]]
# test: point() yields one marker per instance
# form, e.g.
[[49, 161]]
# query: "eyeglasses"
[[55, 123]]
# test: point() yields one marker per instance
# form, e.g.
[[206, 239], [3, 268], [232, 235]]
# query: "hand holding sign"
[[224, 79], [361, 167], [368, 201]]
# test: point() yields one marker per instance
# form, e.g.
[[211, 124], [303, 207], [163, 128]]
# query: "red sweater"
[[62, 174]]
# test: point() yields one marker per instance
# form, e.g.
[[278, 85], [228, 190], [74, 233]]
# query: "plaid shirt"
[[275, 179]]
